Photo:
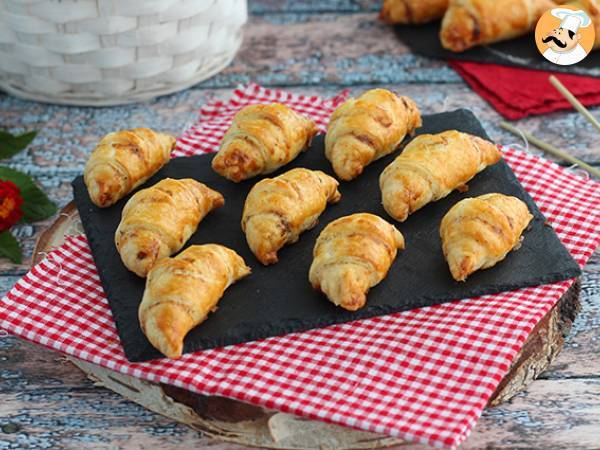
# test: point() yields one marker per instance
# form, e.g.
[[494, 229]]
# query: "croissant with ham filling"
[[181, 292], [478, 232], [352, 254], [156, 222], [278, 210], [412, 11], [261, 139], [122, 161], [367, 128], [468, 23], [430, 167]]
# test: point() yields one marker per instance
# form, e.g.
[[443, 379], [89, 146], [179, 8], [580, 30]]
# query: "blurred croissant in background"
[[412, 11], [468, 23]]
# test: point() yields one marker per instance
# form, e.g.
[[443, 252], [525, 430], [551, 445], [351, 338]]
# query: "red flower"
[[10, 204]]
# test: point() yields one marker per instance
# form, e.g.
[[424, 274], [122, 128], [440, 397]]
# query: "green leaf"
[[9, 247], [36, 205], [11, 145]]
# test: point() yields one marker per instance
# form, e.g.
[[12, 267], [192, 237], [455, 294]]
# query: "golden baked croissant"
[[592, 8], [430, 167], [478, 232], [369, 127], [156, 222], [181, 292], [261, 139], [412, 11], [122, 161], [351, 255], [468, 23], [278, 210]]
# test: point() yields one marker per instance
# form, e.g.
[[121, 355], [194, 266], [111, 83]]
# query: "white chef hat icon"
[[571, 20]]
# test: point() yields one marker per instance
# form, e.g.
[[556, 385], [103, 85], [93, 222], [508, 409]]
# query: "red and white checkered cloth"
[[423, 375]]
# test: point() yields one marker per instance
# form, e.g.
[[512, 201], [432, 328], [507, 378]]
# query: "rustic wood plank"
[[325, 49], [88, 418], [312, 6], [550, 414], [6, 282], [29, 367]]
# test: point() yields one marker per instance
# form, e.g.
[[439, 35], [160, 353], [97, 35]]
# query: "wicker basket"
[[108, 52]]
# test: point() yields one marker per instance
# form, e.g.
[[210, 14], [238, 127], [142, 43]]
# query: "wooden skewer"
[[573, 101], [550, 148]]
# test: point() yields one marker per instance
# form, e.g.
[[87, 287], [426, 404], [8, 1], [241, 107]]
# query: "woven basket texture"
[[108, 52]]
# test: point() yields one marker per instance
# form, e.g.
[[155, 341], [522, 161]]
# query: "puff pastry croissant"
[[412, 11], [478, 232], [261, 139], [369, 127], [278, 209], [156, 222], [468, 23], [181, 292], [351, 255], [430, 167], [122, 161]]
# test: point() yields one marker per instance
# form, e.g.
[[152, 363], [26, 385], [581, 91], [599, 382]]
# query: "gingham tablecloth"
[[423, 375]]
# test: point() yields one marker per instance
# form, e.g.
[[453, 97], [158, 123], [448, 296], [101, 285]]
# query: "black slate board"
[[278, 299], [521, 52]]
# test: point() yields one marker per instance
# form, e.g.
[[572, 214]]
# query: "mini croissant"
[[430, 167], [478, 232], [367, 128], [468, 23], [261, 139], [278, 209], [351, 255], [122, 161], [181, 292], [412, 11], [156, 222]]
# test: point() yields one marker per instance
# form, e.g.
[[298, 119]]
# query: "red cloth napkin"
[[516, 92], [423, 375]]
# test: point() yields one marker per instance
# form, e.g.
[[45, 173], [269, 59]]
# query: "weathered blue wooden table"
[[306, 46]]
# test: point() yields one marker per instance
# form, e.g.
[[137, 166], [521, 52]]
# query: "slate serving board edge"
[[518, 52]]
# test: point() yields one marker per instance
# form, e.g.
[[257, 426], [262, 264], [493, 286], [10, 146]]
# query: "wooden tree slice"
[[238, 422]]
